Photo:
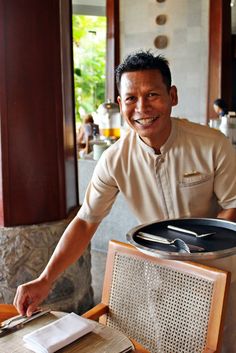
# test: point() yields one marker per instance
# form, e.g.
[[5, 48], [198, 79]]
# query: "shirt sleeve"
[[100, 194], [225, 174]]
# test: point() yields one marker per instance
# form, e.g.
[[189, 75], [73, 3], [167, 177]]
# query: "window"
[[89, 50]]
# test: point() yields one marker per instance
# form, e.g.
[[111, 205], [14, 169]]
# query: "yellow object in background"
[[109, 119]]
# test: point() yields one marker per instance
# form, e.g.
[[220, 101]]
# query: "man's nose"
[[142, 105]]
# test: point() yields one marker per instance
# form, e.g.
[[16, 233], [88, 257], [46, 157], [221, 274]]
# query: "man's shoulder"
[[124, 142], [118, 152], [195, 129], [114, 160]]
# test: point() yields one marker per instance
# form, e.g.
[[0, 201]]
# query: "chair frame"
[[220, 278]]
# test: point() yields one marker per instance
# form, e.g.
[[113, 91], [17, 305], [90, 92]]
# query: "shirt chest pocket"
[[195, 193], [198, 180]]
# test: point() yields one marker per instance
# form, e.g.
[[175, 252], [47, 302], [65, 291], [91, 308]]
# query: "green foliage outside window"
[[89, 51]]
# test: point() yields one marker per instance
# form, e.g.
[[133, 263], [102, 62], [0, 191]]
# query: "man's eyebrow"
[[128, 94]]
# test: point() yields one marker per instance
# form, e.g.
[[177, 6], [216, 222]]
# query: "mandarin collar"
[[167, 145]]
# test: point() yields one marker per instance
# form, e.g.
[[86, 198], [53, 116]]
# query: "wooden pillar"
[[220, 62], [38, 164], [113, 47]]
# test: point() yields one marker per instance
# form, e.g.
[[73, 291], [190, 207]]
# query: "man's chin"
[[147, 137]]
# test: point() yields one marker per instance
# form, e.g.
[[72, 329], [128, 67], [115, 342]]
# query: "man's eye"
[[130, 99], [152, 94]]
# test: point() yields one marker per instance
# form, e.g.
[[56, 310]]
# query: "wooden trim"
[[220, 62], [113, 47], [95, 313], [4, 145], [69, 133], [138, 347], [215, 54]]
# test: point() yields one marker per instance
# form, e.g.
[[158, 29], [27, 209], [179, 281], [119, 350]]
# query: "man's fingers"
[[29, 296], [21, 301], [31, 308]]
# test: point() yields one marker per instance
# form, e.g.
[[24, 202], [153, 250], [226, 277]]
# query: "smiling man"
[[146, 99], [165, 168]]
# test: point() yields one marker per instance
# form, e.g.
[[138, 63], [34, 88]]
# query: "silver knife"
[[17, 326]]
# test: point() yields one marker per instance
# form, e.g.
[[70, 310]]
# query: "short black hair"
[[221, 104], [144, 60]]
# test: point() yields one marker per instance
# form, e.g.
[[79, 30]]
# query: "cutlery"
[[7, 323], [179, 243], [7, 328], [182, 230]]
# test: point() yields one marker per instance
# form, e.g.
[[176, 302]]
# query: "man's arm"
[[229, 215], [71, 246]]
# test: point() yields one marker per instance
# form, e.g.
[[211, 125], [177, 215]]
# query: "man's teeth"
[[146, 121]]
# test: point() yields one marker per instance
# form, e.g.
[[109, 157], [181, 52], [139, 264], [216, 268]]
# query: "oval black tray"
[[221, 244]]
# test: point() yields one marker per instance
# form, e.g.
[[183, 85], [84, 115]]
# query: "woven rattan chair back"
[[168, 306]]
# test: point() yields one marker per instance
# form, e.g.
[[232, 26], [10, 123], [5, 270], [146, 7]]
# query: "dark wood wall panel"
[[220, 66], [70, 153], [34, 150], [113, 47]]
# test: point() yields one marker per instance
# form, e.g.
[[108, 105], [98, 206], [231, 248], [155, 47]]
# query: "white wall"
[[187, 51], [89, 7]]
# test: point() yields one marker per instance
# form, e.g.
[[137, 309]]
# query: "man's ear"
[[119, 101], [174, 95]]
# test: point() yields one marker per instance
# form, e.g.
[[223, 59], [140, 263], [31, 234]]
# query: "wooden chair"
[[7, 311], [167, 306]]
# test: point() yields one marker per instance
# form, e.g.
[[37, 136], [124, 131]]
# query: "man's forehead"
[[148, 77], [141, 71]]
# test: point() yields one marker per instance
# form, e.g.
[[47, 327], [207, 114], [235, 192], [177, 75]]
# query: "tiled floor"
[[98, 259]]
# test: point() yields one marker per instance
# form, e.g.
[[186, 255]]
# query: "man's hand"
[[30, 295], [228, 214]]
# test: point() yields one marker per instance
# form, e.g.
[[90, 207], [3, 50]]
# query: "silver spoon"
[[180, 244], [182, 230]]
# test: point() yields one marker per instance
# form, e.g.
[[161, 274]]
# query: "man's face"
[[217, 109], [146, 103]]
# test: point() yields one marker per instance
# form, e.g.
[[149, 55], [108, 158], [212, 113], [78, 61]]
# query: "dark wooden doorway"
[[220, 54], [113, 47]]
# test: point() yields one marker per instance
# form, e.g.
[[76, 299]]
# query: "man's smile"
[[146, 121]]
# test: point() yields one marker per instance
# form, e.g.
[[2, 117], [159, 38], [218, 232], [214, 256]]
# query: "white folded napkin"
[[58, 334]]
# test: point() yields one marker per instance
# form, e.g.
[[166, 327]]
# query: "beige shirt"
[[192, 177]]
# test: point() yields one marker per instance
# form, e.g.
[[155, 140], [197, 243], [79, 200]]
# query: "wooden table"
[[101, 339]]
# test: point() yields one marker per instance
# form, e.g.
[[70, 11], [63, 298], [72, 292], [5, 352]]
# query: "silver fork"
[[183, 230], [179, 243]]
